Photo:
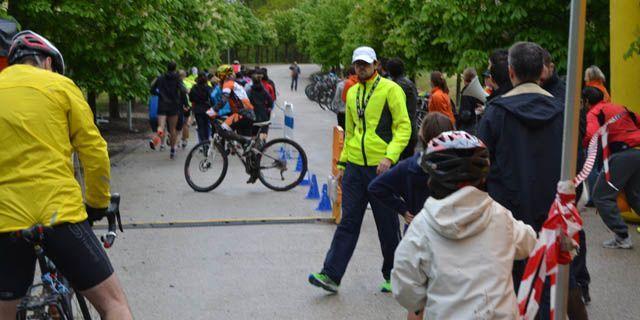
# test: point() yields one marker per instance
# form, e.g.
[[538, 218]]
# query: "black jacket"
[[200, 97], [411, 94], [403, 188], [261, 101], [556, 87], [172, 94], [524, 135], [467, 118]]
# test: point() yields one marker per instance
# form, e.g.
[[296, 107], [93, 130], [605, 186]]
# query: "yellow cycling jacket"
[[43, 119], [385, 129]]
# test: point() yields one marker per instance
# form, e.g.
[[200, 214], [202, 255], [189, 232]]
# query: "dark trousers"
[[204, 126], [624, 168], [355, 197], [294, 83], [341, 118]]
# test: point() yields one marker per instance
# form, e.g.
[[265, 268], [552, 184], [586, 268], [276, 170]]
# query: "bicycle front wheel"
[[205, 166], [282, 164]]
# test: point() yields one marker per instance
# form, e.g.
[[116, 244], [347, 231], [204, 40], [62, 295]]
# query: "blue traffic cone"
[[313, 189], [285, 154], [325, 203], [299, 164], [306, 181]]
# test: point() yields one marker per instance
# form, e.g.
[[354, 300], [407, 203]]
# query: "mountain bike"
[[280, 164], [53, 297]]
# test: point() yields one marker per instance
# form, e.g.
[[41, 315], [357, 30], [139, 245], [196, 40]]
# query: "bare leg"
[[172, 121], [185, 129], [8, 309], [109, 299]]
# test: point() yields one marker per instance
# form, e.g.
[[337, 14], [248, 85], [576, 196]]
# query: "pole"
[[570, 132], [130, 116]]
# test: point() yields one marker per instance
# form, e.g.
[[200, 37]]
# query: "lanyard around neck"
[[361, 105]]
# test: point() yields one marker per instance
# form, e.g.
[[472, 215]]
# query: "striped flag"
[[558, 239]]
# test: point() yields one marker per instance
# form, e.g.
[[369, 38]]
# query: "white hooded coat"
[[456, 258]]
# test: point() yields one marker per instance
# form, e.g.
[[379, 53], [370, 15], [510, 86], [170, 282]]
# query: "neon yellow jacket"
[[43, 119], [385, 130]]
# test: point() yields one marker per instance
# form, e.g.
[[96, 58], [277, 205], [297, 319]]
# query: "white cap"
[[366, 54]]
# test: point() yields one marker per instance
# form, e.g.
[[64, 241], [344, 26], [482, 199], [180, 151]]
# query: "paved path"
[[246, 272]]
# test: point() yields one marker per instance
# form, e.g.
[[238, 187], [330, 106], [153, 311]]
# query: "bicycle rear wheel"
[[282, 164], [205, 167]]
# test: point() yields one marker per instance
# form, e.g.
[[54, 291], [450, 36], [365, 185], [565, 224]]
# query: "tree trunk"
[[114, 107], [91, 100], [257, 55], [286, 52]]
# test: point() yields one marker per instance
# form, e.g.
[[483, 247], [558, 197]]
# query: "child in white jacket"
[[456, 258]]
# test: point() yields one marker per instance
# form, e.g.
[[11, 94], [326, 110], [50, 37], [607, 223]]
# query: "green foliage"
[[320, 36], [447, 35], [117, 46]]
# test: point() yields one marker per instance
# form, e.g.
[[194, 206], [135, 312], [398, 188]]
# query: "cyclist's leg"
[[78, 254], [17, 268], [109, 299]]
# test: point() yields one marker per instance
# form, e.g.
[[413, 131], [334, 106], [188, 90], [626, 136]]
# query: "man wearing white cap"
[[377, 129]]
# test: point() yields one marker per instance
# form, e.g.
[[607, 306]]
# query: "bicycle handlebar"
[[113, 216]]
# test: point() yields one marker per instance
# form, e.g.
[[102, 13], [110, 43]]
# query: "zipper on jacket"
[[364, 123]]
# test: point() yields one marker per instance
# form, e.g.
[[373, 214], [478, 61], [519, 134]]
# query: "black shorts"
[[73, 248]]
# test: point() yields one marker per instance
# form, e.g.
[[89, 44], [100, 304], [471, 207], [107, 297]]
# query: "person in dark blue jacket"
[[404, 187], [523, 131]]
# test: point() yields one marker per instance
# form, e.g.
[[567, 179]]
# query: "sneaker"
[[323, 281], [385, 286], [153, 142], [618, 243], [162, 147], [172, 154], [184, 144]]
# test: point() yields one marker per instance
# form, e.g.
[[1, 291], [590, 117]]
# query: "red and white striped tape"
[[563, 222]]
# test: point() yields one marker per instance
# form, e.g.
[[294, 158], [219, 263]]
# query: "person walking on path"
[[624, 163], [171, 98], [262, 105], [454, 261], [377, 131], [295, 73], [200, 97], [439, 101], [395, 67]]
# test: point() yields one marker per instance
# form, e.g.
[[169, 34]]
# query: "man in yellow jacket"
[[45, 118], [377, 130]]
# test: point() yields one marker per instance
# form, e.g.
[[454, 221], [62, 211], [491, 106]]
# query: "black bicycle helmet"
[[29, 43], [455, 159]]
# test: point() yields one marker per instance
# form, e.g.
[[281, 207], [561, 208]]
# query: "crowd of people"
[[238, 95], [475, 199]]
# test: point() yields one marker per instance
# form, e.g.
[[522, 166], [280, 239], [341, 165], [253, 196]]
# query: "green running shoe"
[[323, 281], [386, 286]]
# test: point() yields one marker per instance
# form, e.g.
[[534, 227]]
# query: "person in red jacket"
[[624, 163]]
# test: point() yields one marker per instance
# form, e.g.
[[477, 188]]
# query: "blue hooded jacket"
[[403, 188], [523, 131]]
